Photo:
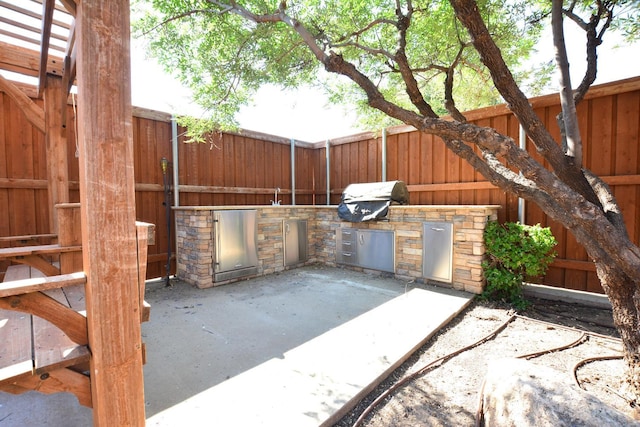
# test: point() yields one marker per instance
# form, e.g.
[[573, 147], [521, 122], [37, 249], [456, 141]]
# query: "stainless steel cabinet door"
[[295, 241], [437, 251], [235, 235], [376, 249]]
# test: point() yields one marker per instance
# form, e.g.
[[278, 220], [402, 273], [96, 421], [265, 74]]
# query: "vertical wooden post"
[[56, 142], [107, 203], [69, 234]]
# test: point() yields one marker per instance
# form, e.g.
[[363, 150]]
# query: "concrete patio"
[[294, 348]]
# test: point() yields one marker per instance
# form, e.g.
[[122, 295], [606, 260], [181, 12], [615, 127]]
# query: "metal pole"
[[293, 171], [384, 154], [328, 163], [522, 140], [174, 155], [164, 164]]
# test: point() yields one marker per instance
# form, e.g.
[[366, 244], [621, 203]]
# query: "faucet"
[[276, 202]]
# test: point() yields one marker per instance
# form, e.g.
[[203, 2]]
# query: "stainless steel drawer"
[[346, 246], [373, 249]]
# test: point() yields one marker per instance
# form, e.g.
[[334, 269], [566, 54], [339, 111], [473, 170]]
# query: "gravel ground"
[[447, 392]]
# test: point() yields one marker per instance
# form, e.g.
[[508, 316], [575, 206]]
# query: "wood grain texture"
[[107, 192], [56, 145]]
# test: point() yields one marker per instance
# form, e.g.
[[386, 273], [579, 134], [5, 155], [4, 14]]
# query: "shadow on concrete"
[[294, 346], [198, 338]]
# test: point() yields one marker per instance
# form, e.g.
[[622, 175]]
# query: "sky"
[[306, 114]]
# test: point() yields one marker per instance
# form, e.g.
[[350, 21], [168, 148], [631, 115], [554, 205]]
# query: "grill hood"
[[370, 201]]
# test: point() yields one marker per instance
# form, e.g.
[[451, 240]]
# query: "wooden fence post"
[[107, 204], [56, 141]]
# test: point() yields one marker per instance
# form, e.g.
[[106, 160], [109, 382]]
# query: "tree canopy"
[[225, 57]]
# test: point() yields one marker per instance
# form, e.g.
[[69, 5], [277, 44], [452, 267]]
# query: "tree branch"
[[411, 85], [357, 34], [184, 15], [468, 13], [363, 48], [569, 119], [594, 39], [449, 102]]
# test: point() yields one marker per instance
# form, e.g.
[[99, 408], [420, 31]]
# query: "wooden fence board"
[[426, 169], [283, 153], [244, 169], [251, 179], [626, 136], [600, 161], [351, 168], [374, 166]]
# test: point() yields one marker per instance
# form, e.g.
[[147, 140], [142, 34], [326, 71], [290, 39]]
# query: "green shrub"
[[515, 252]]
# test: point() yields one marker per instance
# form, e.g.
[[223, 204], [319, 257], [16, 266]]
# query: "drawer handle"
[[437, 229]]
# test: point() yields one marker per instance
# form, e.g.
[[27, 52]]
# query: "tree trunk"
[[624, 295]]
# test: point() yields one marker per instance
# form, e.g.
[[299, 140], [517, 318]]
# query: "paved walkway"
[[292, 349]]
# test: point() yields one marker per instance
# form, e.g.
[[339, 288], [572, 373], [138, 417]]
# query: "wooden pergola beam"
[[27, 12], [33, 113], [107, 203], [26, 61], [70, 6], [45, 35]]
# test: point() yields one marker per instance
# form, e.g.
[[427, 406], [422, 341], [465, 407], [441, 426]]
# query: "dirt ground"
[[447, 393]]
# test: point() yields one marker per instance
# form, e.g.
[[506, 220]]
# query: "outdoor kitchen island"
[[413, 230]]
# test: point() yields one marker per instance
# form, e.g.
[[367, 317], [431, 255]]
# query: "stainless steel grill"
[[370, 201]]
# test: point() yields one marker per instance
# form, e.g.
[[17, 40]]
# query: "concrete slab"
[[288, 349]]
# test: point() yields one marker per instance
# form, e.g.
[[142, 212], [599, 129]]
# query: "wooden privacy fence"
[[246, 168]]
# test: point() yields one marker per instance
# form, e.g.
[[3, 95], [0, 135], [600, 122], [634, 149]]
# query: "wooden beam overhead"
[[47, 17], [33, 41], [70, 6], [69, 69], [33, 32], [30, 28], [31, 14], [26, 61]]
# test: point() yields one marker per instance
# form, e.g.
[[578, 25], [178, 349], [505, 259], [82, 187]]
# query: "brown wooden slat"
[[15, 351], [37, 284], [68, 6], [38, 250], [26, 61], [52, 347], [24, 26], [30, 13], [392, 159], [39, 304], [33, 184], [28, 238], [33, 113], [56, 381]]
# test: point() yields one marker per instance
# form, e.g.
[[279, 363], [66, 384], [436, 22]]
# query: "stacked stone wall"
[[195, 242]]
